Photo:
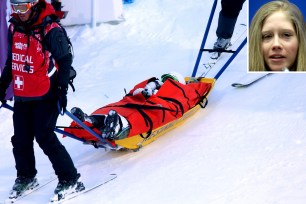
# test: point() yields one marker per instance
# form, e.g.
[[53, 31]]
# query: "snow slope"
[[247, 146]]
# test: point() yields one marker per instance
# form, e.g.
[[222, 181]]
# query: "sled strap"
[[203, 99], [182, 90], [147, 119], [174, 101], [138, 106]]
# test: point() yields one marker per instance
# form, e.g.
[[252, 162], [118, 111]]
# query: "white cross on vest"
[[18, 82]]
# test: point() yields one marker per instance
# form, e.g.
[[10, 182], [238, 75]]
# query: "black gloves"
[[2, 93], [62, 99]]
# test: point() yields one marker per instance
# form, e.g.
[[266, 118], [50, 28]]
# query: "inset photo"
[[277, 36]]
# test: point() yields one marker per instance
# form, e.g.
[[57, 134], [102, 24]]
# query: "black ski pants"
[[37, 119], [228, 17], [231, 8]]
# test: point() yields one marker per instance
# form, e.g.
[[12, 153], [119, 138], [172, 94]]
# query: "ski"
[[216, 53], [215, 56], [246, 82], [87, 189], [29, 191]]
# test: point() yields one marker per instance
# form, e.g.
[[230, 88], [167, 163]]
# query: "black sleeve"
[[56, 5], [6, 75], [57, 43]]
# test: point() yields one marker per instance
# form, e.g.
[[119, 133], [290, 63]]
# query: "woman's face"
[[279, 42]]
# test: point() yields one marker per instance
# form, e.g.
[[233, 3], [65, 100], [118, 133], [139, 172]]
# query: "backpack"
[[49, 20]]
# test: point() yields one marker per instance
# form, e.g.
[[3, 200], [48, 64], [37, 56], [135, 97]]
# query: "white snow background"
[[248, 146]]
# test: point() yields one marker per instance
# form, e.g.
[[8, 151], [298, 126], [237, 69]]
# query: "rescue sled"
[[135, 142], [81, 130]]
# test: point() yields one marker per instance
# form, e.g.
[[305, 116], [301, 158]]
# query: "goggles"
[[22, 7]]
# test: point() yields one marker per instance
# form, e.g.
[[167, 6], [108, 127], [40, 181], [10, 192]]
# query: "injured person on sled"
[[148, 106]]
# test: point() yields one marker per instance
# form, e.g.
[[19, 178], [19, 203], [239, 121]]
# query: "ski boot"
[[66, 187], [116, 126], [21, 185], [112, 125], [77, 112], [220, 45]]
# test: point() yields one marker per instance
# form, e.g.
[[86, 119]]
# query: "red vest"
[[27, 50]]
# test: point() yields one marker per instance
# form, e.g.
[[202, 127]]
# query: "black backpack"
[[48, 20]]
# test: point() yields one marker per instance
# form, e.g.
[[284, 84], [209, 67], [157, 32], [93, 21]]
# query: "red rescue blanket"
[[171, 101]]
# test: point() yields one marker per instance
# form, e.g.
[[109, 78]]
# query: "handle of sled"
[[7, 106], [231, 59], [216, 50], [211, 16]]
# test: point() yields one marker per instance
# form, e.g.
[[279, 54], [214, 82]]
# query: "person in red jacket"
[[40, 92]]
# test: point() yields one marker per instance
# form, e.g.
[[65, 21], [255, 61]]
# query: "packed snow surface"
[[248, 146]]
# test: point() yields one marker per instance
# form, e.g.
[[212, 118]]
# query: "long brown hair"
[[256, 59]]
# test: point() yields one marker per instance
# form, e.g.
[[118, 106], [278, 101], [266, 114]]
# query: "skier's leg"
[[45, 117]]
